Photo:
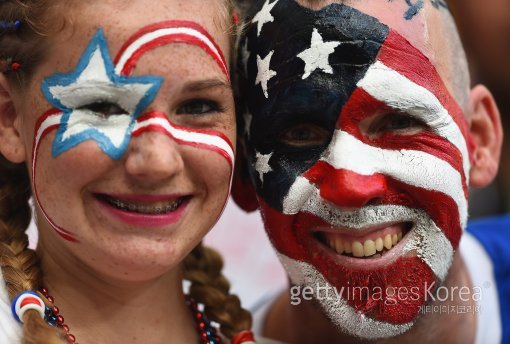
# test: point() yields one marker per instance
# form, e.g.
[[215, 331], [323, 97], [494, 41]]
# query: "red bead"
[[70, 338], [16, 66], [50, 298], [44, 291], [235, 17], [65, 328], [55, 310], [60, 320], [199, 316], [201, 325]]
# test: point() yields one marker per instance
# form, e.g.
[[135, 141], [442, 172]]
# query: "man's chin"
[[369, 305]]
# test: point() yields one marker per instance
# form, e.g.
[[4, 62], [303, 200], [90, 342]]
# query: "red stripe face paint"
[[96, 78], [362, 176]]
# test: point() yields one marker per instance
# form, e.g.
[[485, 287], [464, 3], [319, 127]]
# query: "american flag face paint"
[[329, 182], [97, 79]]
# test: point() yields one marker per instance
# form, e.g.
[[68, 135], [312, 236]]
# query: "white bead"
[[30, 300]]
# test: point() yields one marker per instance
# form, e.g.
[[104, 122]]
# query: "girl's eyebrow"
[[201, 85]]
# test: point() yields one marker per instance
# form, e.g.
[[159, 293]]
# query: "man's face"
[[359, 155]]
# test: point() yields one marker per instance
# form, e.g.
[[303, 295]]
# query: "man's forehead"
[[416, 21], [351, 38]]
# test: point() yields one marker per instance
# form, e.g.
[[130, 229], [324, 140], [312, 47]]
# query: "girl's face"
[[129, 127]]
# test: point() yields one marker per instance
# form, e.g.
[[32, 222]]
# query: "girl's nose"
[[153, 156]]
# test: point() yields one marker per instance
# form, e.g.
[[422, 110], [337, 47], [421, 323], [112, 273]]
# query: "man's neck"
[[305, 323]]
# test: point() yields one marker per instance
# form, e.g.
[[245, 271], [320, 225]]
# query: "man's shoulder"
[[498, 225], [493, 234]]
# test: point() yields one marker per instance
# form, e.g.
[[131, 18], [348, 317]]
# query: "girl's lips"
[[147, 211]]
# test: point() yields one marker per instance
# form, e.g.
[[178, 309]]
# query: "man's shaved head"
[[431, 29]]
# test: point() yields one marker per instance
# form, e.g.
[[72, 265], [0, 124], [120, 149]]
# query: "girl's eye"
[[104, 109], [399, 123], [198, 107], [303, 135]]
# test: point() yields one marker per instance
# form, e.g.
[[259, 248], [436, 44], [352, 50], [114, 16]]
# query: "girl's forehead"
[[120, 19]]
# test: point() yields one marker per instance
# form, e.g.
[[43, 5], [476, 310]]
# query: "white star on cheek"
[[317, 56], [264, 16], [262, 164], [264, 72]]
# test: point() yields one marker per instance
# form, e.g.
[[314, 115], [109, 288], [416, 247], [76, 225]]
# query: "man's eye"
[[396, 122], [104, 109], [198, 107], [305, 135]]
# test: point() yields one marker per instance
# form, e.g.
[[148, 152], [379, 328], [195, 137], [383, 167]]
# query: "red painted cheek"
[[280, 231]]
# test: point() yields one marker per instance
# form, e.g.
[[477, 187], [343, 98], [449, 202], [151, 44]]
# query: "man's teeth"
[[367, 248], [160, 208]]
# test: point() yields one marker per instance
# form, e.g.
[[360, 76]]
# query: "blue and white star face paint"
[[94, 82], [99, 109]]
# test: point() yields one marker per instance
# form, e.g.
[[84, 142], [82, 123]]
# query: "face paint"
[[329, 188], [96, 80]]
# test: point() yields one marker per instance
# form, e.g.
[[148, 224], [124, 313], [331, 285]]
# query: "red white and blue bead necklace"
[[30, 300]]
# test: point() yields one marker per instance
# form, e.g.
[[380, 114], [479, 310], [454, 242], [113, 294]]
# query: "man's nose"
[[153, 156], [349, 189]]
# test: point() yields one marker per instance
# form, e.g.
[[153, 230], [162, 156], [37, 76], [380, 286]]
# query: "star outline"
[[62, 144]]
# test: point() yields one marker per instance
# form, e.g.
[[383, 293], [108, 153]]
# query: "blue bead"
[[17, 24]]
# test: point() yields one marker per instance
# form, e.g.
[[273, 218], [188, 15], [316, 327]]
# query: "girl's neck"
[[97, 308]]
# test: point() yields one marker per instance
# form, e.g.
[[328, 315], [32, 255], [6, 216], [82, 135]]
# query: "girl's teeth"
[[369, 248], [144, 209]]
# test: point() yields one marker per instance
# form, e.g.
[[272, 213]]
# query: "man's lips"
[[370, 243]]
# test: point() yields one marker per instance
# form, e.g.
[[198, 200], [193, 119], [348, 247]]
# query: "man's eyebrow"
[[201, 85]]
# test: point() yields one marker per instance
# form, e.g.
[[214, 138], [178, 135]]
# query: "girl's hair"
[[19, 264]]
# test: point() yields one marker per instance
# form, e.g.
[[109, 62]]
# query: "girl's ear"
[[485, 127], [11, 142]]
